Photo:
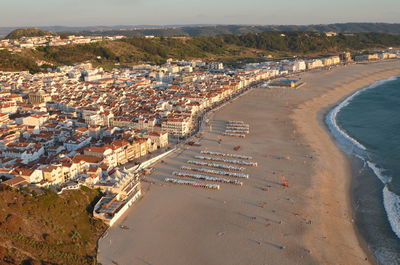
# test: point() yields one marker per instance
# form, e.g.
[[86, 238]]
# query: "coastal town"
[[79, 125], [18, 45], [199, 132]]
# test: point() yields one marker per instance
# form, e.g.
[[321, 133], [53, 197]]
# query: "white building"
[[77, 142], [177, 127], [216, 66]]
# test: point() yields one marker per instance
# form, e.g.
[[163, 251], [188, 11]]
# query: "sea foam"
[[331, 120], [391, 200], [335, 129], [392, 206], [378, 172]]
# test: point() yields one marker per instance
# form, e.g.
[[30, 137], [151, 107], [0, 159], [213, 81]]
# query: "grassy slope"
[[27, 32], [225, 48], [135, 50], [126, 52], [17, 62], [48, 228]]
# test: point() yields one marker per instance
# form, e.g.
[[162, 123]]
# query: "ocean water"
[[366, 126]]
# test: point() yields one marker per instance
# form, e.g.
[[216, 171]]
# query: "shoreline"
[[344, 93], [360, 233], [350, 185], [311, 218], [371, 220]]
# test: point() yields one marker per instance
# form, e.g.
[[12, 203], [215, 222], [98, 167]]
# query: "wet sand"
[[261, 222]]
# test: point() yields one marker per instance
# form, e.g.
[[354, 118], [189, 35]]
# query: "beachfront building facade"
[[124, 191], [159, 138], [366, 57], [315, 63], [179, 127]]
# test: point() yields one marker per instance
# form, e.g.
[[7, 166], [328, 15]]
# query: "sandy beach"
[[261, 222]]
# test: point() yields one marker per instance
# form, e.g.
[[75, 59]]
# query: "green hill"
[[17, 62], [226, 48], [222, 47], [138, 49], [27, 32], [48, 228]]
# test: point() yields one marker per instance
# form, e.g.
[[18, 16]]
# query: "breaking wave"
[[390, 199]]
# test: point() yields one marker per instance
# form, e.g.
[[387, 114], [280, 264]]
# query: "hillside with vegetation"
[[28, 32], [17, 62], [213, 30], [222, 47], [47, 228], [226, 48], [240, 29], [303, 43]]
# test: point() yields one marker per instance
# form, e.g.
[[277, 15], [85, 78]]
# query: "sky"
[[170, 12]]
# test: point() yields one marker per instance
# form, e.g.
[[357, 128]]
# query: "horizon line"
[[195, 25]]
